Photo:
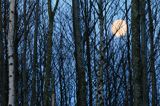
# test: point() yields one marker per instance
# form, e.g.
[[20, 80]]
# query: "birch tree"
[[11, 53]]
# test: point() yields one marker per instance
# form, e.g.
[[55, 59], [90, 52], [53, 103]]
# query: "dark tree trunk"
[[152, 56], [81, 83], [136, 61]]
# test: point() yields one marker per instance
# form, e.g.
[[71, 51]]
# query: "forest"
[[79, 52]]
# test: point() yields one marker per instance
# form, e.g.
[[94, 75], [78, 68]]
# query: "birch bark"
[[10, 53]]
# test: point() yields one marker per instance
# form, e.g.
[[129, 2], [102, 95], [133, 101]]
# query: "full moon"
[[119, 28]]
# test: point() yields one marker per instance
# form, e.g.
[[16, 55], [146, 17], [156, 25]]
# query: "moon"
[[119, 28]]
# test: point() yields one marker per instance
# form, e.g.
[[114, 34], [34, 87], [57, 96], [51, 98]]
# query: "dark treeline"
[[65, 53]]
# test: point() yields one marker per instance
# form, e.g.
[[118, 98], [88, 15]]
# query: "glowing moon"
[[119, 28]]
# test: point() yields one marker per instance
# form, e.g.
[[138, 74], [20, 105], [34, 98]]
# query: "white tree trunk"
[[10, 53]]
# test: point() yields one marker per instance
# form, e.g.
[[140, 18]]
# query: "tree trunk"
[[11, 53], [16, 41], [87, 33], [100, 98], [130, 91], [48, 68], [81, 83], [144, 53], [24, 68], [1, 54], [34, 93], [136, 64], [5, 71], [152, 57], [89, 66]]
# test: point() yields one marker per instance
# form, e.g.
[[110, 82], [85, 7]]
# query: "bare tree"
[[144, 52], [1, 54], [35, 68], [136, 61], [152, 56], [80, 71], [48, 68], [11, 53], [100, 98]]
